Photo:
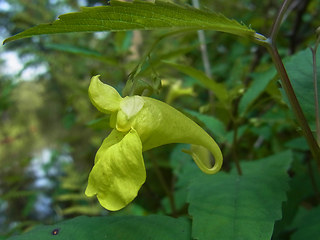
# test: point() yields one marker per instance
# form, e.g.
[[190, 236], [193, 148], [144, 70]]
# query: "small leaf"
[[228, 206], [113, 228], [124, 16], [259, 84]]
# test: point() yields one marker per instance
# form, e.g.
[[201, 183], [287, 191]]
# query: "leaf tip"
[[5, 41]]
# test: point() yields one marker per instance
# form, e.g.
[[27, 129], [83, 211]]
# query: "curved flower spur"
[[139, 124]]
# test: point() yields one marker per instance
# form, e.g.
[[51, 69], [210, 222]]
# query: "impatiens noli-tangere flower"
[[139, 124]]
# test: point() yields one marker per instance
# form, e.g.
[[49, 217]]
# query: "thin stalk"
[[276, 25], [203, 46], [234, 148], [313, 180], [204, 54], [206, 64], [165, 187]]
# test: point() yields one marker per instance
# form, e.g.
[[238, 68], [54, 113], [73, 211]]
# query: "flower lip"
[[104, 97], [119, 170]]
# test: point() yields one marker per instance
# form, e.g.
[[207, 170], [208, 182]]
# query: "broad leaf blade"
[[123, 16], [228, 206], [113, 228]]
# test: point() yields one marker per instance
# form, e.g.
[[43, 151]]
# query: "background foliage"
[[49, 131]]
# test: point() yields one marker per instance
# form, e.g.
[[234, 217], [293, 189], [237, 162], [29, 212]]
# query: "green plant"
[[241, 204]]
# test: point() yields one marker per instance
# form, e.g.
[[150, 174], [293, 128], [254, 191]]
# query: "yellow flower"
[[139, 124]]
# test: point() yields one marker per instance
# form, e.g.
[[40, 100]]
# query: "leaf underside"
[[124, 16]]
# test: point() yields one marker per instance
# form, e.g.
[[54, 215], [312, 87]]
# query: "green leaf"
[[301, 190], [183, 167], [307, 224], [123, 41], [81, 51], [101, 123], [160, 59], [217, 88], [259, 84], [300, 72], [228, 206], [124, 16], [113, 228], [299, 143]]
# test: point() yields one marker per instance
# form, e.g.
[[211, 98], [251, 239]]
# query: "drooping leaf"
[[217, 88], [260, 82], [228, 206], [123, 16], [300, 72], [159, 59], [112, 228]]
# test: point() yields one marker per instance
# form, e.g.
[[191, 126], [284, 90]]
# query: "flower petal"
[[104, 97], [129, 108], [119, 170], [158, 123], [201, 156]]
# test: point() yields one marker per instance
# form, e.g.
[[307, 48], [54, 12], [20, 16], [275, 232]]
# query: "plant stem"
[[269, 43], [234, 147], [285, 81], [165, 187], [276, 25], [313, 180], [204, 55], [203, 46]]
